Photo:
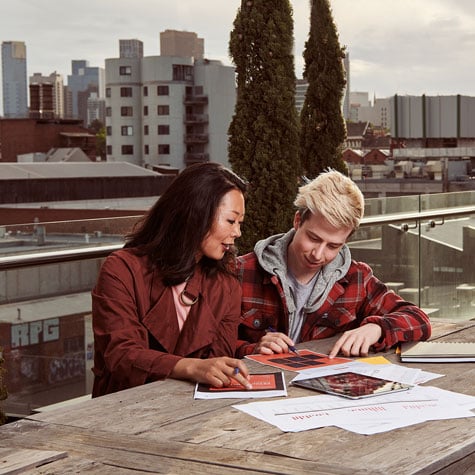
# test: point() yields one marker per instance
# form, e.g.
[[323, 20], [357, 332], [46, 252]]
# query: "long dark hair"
[[172, 231]]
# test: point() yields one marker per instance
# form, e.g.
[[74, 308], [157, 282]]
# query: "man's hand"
[[358, 341]]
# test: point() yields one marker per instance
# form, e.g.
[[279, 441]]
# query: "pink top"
[[182, 311]]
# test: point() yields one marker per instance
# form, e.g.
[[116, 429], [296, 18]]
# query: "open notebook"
[[437, 352]]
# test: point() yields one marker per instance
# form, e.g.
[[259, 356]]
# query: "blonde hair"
[[335, 196]]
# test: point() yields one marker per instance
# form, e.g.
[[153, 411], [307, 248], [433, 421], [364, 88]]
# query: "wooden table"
[[160, 428]]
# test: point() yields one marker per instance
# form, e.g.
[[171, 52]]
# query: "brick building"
[[22, 136]]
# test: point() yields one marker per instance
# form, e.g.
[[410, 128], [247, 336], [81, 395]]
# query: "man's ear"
[[297, 220]]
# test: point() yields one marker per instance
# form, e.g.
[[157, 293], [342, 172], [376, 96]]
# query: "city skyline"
[[400, 47]]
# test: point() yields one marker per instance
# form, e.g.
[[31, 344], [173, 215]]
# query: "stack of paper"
[[363, 416]]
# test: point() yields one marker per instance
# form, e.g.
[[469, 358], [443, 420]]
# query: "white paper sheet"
[[365, 416], [392, 372]]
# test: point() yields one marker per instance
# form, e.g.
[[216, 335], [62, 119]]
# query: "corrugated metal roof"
[[28, 171]]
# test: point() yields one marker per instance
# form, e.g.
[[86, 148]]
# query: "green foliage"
[[323, 128], [263, 144], [3, 389], [100, 131], [101, 143]]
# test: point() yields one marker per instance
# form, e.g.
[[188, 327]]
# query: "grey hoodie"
[[272, 256]]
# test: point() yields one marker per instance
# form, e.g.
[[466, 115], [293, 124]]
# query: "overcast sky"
[[395, 46]]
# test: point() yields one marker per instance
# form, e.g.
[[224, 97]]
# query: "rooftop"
[[28, 171]]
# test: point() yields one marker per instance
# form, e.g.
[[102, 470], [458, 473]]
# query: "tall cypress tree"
[[322, 127], [263, 143]]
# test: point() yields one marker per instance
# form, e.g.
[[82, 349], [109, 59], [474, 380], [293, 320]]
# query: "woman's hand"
[[217, 372], [273, 342]]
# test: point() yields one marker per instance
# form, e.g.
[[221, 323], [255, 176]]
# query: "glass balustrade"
[[423, 247]]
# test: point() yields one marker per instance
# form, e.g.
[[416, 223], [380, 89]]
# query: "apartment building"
[[46, 96], [168, 111]]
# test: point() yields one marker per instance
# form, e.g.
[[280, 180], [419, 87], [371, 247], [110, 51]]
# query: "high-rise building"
[[346, 93], [14, 79], [46, 96], [82, 83], [168, 110], [181, 44]]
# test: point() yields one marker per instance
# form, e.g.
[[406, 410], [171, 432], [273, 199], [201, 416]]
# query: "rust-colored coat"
[[136, 333]]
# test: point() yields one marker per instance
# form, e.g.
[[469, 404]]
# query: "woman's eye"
[[230, 221]]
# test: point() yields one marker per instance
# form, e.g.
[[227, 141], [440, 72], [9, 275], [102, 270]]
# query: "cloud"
[[408, 47], [412, 46]]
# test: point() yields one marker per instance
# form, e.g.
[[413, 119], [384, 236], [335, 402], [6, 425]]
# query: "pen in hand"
[[291, 347]]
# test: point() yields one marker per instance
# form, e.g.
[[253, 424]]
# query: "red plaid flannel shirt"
[[356, 299]]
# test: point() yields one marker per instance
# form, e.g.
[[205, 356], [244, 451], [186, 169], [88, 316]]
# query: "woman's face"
[[226, 226]]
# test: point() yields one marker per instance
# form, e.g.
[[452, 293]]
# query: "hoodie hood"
[[272, 256]]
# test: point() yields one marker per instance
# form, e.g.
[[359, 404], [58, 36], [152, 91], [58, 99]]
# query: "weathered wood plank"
[[143, 454], [144, 429], [18, 461]]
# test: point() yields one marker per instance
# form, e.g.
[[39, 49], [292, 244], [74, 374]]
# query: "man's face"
[[316, 243]]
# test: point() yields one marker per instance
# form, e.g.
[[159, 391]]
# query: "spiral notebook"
[[438, 352]]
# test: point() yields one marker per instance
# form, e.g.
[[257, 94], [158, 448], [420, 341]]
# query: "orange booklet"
[[306, 359], [263, 385]]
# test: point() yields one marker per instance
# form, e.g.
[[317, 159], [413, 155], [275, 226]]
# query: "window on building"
[[109, 149], [145, 129], [145, 90], [163, 130], [162, 91], [145, 110], [163, 110], [108, 92], [125, 92], [125, 70], [182, 72], [126, 111], [164, 149], [127, 149], [199, 90], [108, 111], [108, 130], [127, 130], [146, 149]]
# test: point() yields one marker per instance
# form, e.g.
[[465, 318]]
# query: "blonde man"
[[303, 285]]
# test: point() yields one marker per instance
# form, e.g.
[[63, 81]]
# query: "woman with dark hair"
[[168, 304]]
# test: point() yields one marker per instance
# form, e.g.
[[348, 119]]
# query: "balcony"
[[196, 119], [195, 99], [196, 138], [421, 246]]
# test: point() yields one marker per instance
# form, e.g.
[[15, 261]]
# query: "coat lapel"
[[161, 321]]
